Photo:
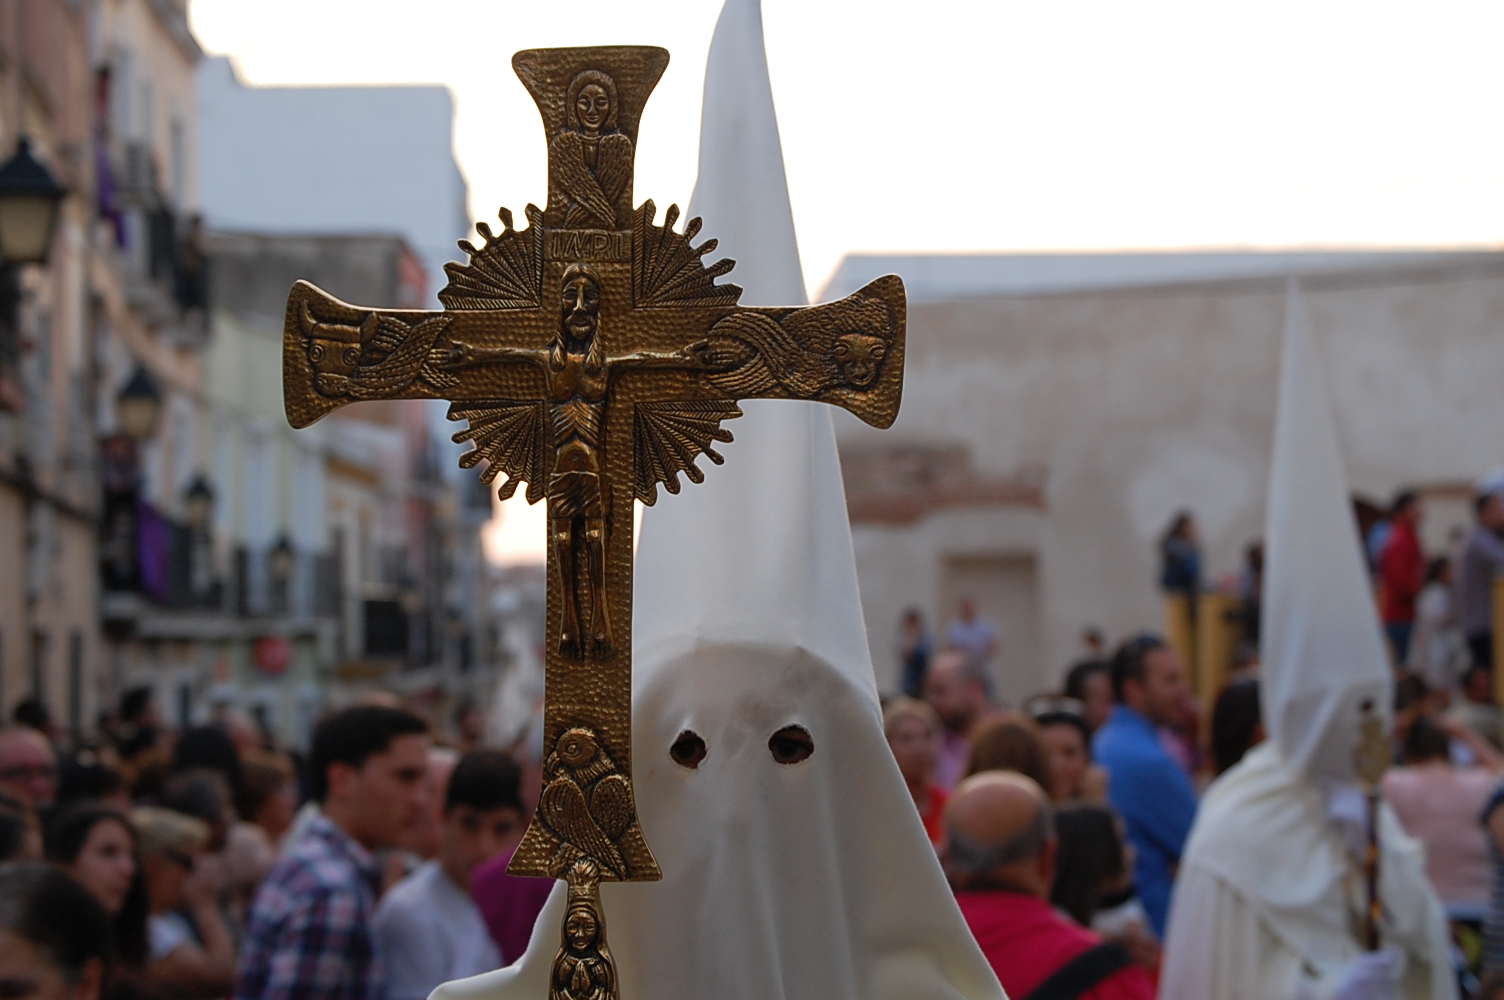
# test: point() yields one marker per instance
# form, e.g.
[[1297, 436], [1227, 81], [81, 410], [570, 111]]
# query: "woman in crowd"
[[1062, 728], [1010, 741], [95, 844], [1439, 804], [1094, 880], [1090, 683], [192, 965], [54, 936], [913, 731], [268, 799], [1237, 725]]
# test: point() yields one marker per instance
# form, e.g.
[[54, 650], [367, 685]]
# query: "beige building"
[[48, 628], [1059, 409], [108, 105]]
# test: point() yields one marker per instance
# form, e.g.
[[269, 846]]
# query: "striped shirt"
[[308, 935], [1493, 928]]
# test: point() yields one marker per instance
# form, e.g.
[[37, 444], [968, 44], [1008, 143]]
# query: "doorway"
[[1005, 590]]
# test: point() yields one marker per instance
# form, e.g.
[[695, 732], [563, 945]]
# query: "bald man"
[[1000, 859], [28, 767]]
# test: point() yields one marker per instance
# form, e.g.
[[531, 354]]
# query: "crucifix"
[[594, 357]]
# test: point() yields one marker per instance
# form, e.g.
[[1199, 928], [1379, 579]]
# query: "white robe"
[[1268, 904]]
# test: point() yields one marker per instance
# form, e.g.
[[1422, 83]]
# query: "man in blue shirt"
[[1147, 787]]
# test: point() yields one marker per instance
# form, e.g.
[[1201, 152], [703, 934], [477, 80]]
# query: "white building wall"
[[1140, 401]]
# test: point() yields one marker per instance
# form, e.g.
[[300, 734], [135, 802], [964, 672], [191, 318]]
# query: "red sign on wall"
[[272, 654]]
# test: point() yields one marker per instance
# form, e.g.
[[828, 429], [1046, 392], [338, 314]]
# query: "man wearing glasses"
[[28, 768]]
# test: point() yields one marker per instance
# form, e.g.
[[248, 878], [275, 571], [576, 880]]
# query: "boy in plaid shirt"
[[308, 934]]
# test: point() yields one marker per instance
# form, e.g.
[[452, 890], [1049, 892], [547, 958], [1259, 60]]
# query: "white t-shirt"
[[430, 932]]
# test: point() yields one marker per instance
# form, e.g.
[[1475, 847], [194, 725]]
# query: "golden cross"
[[594, 357]]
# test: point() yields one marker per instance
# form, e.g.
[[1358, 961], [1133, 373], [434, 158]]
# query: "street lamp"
[[282, 559], [29, 198], [138, 406], [198, 500]]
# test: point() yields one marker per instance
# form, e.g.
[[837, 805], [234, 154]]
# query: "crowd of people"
[[1063, 824], [206, 863]]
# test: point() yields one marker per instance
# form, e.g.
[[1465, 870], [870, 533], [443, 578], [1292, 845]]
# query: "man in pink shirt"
[[955, 690], [1001, 861]]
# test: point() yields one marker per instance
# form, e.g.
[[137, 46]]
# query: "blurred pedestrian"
[[913, 731], [20, 837], [1067, 741], [268, 799], [913, 653], [264, 812], [195, 960], [1438, 651], [1094, 880], [1001, 859], [1477, 709], [1180, 556], [309, 931], [1090, 683], [54, 938], [96, 845], [469, 726], [1146, 786], [1010, 741], [138, 730], [428, 926], [209, 748], [975, 634], [1482, 562], [1237, 724], [1251, 594], [1402, 573], [33, 713], [426, 841], [1492, 819], [28, 768], [85, 775], [1439, 804], [955, 690]]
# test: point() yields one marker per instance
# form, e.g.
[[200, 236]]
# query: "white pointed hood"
[[1323, 649], [806, 881]]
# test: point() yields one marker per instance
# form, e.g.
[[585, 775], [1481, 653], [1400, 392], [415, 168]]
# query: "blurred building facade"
[[1059, 409], [160, 524], [99, 375], [48, 502]]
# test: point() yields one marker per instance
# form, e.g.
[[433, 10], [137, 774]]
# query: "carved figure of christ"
[[593, 365], [577, 372]]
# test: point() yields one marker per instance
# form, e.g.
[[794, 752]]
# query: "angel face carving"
[[581, 929], [592, 107], [858, 356], [592, 102], [590, 162]]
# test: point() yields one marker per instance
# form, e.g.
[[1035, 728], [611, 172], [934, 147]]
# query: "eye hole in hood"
[[688, 750], [791, 745]]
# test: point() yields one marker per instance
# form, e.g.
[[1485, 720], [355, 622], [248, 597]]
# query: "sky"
[[956, 125]]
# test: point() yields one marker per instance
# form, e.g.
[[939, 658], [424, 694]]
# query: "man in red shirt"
[[1001, 861], [1402, 574]]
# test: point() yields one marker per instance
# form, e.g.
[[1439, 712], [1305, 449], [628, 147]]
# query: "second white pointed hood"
[[1322, 645]]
